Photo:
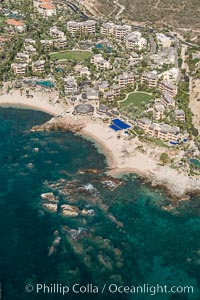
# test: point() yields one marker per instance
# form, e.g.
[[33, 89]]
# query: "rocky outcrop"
[[69, 210], [50, 206], [60, 124], [50, 197]]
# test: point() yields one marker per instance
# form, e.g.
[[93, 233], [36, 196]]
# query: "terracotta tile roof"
[[14, 22], [47, 6]]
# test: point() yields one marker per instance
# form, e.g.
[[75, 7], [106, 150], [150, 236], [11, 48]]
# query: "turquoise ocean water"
[[121, 235]]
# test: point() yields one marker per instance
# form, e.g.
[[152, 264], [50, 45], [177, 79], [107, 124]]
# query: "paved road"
[[152, 46], [76, 9]]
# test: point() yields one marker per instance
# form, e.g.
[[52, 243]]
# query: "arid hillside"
[[177, 13]]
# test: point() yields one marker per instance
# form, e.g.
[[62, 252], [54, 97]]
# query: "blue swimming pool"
[[101, 46], [195, 162], [114, 127], [117, 125], [46, 83]]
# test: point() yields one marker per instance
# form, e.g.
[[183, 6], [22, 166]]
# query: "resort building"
[[22, 57], [167, 100], [180, 115], [109, 96], [19, 68], [70, 84], [29, 41], [3, 40], [38, 66], [47, 44], [126, 79], [150, 79], [104, 86], [16, 25], [37, 3], [60, 43], [100, 62], [92, 94], [135, 40], [29, 49], [102, 109], [118, 31], [164, 132], [47, 10], [85, 71], [103, 65], [55, 32], [158, 111], [86, 27], [144, 124], [167, 87], [83, 109], [164, 56], [107, 28], [45, 7], [121, 30], [116, 89]]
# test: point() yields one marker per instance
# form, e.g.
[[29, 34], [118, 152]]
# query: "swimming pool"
[[101, 46], [46, 83], [195, 162]]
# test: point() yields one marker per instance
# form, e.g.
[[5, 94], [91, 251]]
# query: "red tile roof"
[[14, 22]]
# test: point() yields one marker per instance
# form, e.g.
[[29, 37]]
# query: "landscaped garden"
[[74, 55], [136, 98]]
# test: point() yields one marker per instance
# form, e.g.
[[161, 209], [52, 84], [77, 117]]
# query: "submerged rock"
[[69, 210], [50, 207], [50, 197], [56, 242], [89, 212]]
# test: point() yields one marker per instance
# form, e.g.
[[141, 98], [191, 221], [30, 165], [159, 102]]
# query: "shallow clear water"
[[128, 240]]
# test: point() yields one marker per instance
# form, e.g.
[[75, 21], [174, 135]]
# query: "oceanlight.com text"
[[148, 289]]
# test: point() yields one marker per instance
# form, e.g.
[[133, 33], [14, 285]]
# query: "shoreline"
[[22, 102], [122, 155], [178, 185], [101, 148]]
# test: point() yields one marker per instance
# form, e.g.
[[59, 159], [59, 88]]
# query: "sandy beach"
[[124, 155], [194, 104], [15, 99]]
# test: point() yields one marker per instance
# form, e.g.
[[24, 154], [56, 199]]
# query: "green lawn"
[[72, 55], [136, 98]]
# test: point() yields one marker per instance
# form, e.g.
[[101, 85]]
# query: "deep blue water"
[[130, 239]]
